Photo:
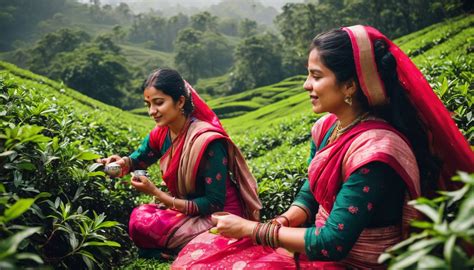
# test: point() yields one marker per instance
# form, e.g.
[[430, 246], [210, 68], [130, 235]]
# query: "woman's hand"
[[143, 184], [113, 158], [124, 163], [232, 226]]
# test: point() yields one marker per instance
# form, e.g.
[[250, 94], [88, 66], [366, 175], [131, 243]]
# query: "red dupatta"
[[370, 140], [446, 140], [180, 169], [158, 135]]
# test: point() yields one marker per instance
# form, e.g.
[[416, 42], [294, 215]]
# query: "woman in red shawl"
[[386, 138], [201, 167]]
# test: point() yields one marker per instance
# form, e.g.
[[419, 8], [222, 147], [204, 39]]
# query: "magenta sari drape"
[[152, 227], [208, 251]]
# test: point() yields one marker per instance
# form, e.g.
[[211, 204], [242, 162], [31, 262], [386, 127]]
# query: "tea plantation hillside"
[[51, 193], [58, 208], [439, 50]]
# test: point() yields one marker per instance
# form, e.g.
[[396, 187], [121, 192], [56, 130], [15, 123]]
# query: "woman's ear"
[[350, 88], [181, 102]]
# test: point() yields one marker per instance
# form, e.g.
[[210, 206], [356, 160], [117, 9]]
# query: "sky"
[[277, 4]]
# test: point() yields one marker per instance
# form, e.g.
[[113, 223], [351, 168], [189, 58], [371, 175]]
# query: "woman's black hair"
[[170, 82], [335, 51]]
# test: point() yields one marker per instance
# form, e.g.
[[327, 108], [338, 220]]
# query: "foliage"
[[19, 18], [13, 236], [454, 87], [201, 54], [247, 28], [203, 22], [46, 145], [96, 72], [446, 238], [95, 68], [300, 22], [146, 264], [64, 40], [258, 63]]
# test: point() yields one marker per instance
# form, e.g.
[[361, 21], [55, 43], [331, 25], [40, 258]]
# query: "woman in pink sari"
[[201, 167], [386, 138]]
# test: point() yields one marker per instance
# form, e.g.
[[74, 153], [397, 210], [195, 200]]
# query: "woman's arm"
[[301, 210], [144, 156], [352, 211], [213, 169]]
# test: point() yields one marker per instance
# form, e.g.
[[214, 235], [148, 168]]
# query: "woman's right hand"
[[122, 161], [113, 158], [232, 226]]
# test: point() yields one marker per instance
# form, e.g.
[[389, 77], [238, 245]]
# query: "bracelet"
[[174, 206], [266, 234]]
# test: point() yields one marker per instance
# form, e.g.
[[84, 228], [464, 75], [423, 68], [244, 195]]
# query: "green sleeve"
[[144, 156], [366, 191], [306, 201], [214, 173]]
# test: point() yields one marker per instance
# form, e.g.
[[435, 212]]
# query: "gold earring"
[[348, 100]]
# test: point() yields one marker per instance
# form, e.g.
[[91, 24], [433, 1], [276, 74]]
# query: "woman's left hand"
[[233, 226], [143, 184]]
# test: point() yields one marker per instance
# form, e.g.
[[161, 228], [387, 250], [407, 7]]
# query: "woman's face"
[[325, 92], [161, 107]]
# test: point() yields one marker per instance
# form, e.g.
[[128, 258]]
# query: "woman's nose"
[[307, 85], [151, 111]]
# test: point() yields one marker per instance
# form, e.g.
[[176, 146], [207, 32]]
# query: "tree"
[[189, 54], [204, 21], [95, 72], [63, 40], [19, 19], [247, 28], [258, 63], [201, 54], [218, 54], [228, 26], [173, 26]]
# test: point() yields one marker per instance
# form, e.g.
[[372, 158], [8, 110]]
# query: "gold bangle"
[[174, 206]]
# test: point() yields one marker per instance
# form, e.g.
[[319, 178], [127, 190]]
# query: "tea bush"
[[446, 238], [48, 146]]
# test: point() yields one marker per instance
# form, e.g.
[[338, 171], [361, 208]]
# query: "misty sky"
[[193, 3]]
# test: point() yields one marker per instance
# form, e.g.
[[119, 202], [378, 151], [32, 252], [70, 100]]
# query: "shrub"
[[46, 145], [446, 238]]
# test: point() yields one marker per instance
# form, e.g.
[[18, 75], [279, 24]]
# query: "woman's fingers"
[[216, 215], [112, 158]]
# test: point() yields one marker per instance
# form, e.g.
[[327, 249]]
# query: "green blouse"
[[211, 176], [371, 197]]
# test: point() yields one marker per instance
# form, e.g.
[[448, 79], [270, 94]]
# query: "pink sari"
[[369, 141], [152, 227]]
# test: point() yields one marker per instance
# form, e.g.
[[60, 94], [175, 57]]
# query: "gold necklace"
[[338, 131]]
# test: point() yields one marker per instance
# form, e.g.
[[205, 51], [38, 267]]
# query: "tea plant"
[[446, 237], [46, 146]]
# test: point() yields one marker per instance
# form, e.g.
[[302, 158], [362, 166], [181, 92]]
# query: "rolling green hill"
[[270, 124], [77, 100], [136, 55], [260, 107]]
